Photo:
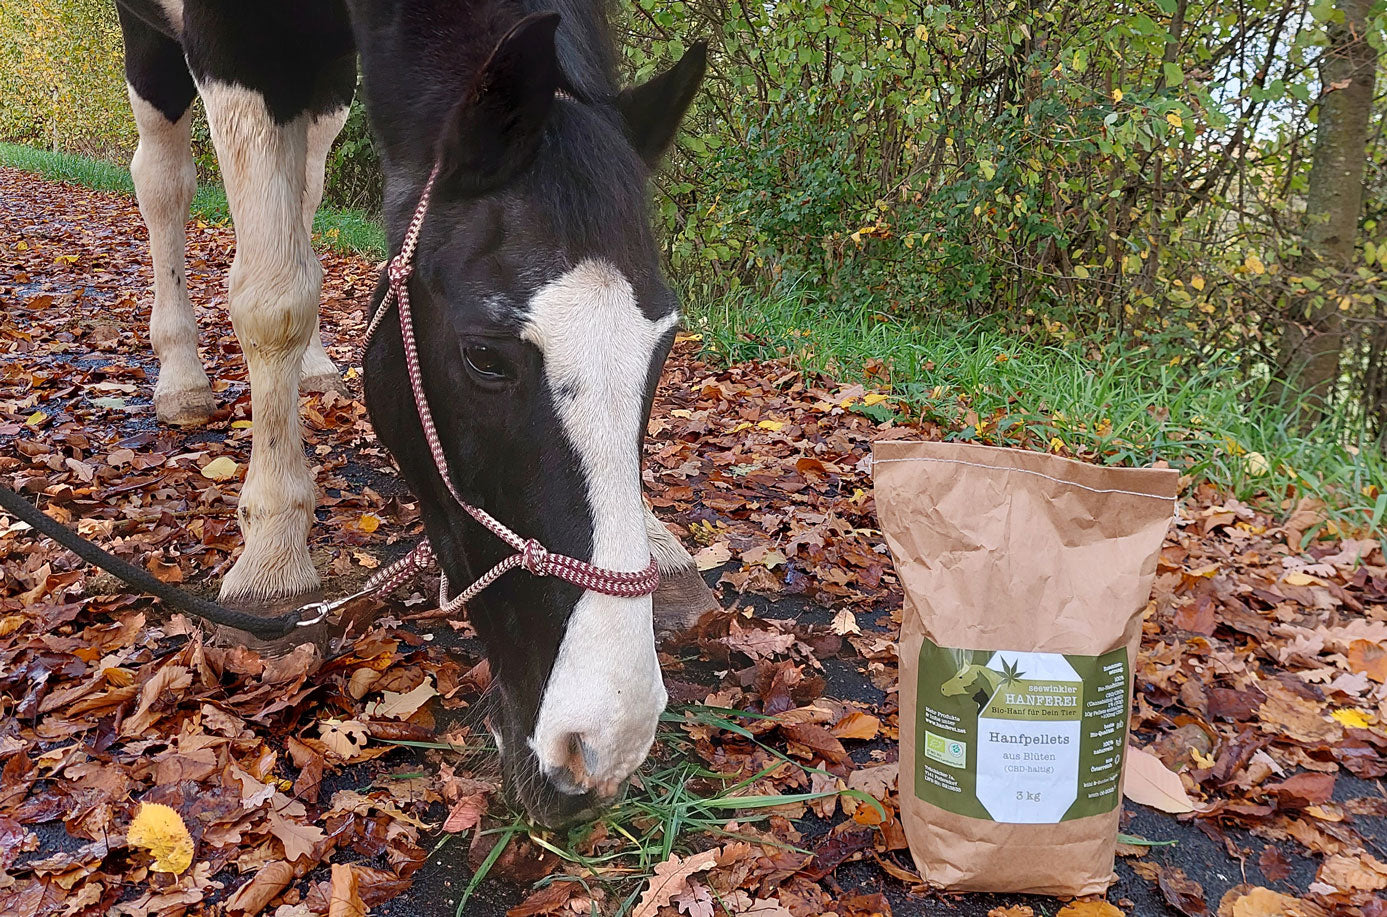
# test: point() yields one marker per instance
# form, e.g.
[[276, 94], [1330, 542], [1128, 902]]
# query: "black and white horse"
[[542, 315]]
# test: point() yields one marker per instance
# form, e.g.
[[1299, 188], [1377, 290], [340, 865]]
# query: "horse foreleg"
[[274, 289], [318, 373], [165, 180]]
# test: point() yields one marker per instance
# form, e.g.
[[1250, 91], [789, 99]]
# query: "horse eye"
[[485, 362]]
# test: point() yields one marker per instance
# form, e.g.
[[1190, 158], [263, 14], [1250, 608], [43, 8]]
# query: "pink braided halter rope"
[[529, 553]]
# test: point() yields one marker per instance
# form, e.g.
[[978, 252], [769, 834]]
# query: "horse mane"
[[435, 47]]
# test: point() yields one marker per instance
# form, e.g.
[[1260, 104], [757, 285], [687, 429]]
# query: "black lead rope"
[[143, 580]]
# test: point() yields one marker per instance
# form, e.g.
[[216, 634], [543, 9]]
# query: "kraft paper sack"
[[1025, 579]]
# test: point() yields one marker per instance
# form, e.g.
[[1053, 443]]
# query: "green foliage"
[[989, 159], [1128, 402], [353, 176], [1083, 170], [61, 81]]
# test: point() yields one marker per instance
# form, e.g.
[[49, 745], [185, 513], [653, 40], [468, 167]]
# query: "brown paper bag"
[[1025, 579]]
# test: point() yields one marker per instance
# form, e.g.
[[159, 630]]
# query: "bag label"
[[1024, 738]]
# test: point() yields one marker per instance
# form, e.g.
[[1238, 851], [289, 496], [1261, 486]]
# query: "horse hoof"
[[322, 382], [681, 599], [318, 636], [188, 408]]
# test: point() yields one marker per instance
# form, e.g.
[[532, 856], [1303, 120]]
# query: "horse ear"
[[652, 111], [493, 132]]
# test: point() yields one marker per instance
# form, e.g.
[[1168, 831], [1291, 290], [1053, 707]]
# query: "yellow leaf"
[[221, 468], [1254, 264], [65, 259], [401, 706], [1262, 902], [21, 246], [36, 418], [1174, 120], [345, 897], [1147, 781], [921, 33], [1089, 909], [1351, 718], [774, 426], [845, 622], [368, 522], [715, 555], [1116, 94], [1299, 578], [874, 398], [1257, 464], [1080, 272], [1197, 282], [682, 338], [241, 424], [160, 830], [345, 737], [863, 727]]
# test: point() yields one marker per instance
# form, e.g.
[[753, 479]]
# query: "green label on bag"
[[1027, 738]]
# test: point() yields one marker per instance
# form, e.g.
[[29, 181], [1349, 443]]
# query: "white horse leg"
[[318, 373], [165, 180], [683, 596], [274, 288]]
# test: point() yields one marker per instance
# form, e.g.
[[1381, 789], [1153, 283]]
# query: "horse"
[[542, 316], [977, 681]]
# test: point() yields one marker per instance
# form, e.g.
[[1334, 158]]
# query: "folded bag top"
[[1025, 578]]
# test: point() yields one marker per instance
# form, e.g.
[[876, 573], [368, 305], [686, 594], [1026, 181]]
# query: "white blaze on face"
[[605, 689]]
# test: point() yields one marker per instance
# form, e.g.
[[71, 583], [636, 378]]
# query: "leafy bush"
[[62, 84], [353, 169]]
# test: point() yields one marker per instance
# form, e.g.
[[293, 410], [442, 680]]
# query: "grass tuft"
[[675, 801]]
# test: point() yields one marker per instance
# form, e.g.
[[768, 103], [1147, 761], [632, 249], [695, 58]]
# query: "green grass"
[[346, 231], [675, 801], [1127, 402]]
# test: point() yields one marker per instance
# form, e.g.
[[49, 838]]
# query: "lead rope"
[[529, 554]]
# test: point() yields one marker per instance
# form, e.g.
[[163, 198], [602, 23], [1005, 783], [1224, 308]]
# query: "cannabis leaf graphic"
[[1009, 673]]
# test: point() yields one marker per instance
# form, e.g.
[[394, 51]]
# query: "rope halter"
[[529, 555]]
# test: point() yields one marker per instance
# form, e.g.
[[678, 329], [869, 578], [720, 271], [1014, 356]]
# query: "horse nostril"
[[581, 765], [589, 756], [580, 759]]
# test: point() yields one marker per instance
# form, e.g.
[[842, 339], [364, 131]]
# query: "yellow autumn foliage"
[[62, 79]]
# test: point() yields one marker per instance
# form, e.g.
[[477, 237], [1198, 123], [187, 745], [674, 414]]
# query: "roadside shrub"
[[353, 177], [62, 81]]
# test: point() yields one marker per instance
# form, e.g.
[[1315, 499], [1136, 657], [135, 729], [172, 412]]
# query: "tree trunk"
[[1313, 336]]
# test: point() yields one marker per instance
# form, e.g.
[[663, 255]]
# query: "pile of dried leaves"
[[145, 772]]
